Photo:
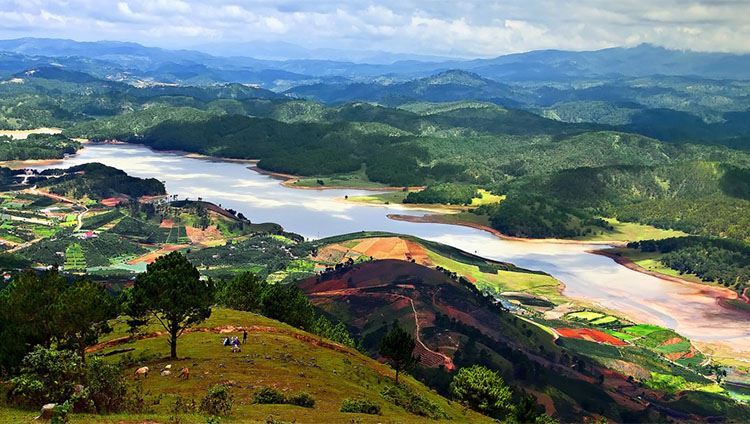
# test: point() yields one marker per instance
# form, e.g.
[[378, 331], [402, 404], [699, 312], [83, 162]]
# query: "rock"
[[47, 411], [166, 373]]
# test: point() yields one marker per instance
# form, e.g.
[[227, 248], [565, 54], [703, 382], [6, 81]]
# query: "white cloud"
[[459, 27]]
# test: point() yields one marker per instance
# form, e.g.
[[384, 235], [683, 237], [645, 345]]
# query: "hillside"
[[276, 355], [463, 310]]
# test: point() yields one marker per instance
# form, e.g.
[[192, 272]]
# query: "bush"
[[412, 402], [268, 395], [218, 401], [46, 376], [360, 406], [302, 399], [106, 385], [482, 390]]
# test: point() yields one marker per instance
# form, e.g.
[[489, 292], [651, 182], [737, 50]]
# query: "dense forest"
[[721, 260], [97, 181], [37, 146], [569, 171]]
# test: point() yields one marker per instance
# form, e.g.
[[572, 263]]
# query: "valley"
[[640, 297], [542, 237]]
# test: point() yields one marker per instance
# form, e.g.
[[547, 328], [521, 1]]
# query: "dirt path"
[[445, 359]]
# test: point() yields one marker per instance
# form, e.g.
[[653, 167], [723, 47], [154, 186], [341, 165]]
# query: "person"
[[236, 345], [244, 336], [226, 341]]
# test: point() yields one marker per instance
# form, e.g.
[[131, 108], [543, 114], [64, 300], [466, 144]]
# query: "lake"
[[689, 309]]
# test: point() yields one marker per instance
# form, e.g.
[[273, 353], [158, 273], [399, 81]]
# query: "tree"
[[287, 303], [482, 390], [397, 346], [81, 313], [172, 291], [243, 292], [26, 315]]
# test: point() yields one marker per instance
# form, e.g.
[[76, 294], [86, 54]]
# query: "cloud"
[[458, 27]]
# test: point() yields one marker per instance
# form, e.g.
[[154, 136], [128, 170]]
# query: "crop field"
[[592, 335], [74, 258]]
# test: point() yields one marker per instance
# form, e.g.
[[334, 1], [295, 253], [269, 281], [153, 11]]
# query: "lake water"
[[320, 213]]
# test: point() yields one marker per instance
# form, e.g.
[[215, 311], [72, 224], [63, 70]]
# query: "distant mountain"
[[57, 73], [642, 60], [447, 86], [131, 61]]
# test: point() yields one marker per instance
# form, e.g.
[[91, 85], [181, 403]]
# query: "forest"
[[712, 259], [37, 146]]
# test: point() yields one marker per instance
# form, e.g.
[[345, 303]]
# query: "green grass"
[[604, 320], [486, 198], [629, 231], [682, 346], [651, 262], [584, 315], [354, 180], [621, 335], [537, 284], [276, 355], [641, 330], [388, 197]]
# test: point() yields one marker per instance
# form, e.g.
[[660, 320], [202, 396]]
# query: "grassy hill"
[[276, 355]]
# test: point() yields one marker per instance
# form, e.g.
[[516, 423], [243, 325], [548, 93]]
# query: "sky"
[[477, 28]]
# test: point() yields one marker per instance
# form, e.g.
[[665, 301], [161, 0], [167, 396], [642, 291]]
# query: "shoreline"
[[289, 180], [718, 293], [435, 219]]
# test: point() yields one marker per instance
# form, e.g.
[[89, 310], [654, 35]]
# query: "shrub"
[[302, 399], [412, 402], [218, 401], [106, 385], [47, 375], [268, 395], [360, 406], [482, 390]]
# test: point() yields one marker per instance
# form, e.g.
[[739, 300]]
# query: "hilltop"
[[277, 355]]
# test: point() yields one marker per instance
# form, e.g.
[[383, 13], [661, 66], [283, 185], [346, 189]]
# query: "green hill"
[[276, 355]]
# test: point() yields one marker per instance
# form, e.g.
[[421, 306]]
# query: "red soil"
[[672, 341], [591, 335], [113, 201], [152, 256]]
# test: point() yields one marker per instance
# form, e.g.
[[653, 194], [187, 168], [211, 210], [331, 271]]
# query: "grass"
[[277, 356], [629, 231], [354, 180], [486, 198], [651, 262], [642, 330], [584, 315], [604, 320], [381, 198], [537, 284]]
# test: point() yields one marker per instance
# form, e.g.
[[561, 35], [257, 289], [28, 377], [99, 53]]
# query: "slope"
[[276, 355]]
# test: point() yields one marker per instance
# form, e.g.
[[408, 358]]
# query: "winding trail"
[[437, 357]]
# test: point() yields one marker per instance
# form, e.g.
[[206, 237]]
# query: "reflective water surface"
[[320, 213]]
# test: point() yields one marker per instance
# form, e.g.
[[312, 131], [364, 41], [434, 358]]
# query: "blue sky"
[[448, 28]]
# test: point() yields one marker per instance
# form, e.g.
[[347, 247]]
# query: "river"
[[686, 308]]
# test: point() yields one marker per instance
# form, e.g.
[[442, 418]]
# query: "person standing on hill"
[[244, 336]]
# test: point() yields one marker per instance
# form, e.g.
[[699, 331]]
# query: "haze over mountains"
[[116, 60]]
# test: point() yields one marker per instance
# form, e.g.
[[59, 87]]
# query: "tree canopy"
[[172, 291]]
